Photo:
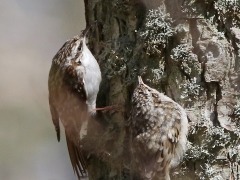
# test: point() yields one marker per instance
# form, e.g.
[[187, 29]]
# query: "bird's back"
[[157, 132]]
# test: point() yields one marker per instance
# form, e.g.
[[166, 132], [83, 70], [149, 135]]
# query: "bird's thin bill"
[[140, 81], [85, 31]]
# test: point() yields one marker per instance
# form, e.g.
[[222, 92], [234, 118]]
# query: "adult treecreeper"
[[73, 83]]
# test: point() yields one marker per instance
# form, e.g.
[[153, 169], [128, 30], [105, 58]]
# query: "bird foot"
[[109, 108]]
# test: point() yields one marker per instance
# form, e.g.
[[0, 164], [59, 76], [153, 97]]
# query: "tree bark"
[[187, 49]]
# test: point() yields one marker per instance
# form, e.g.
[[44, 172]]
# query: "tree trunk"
[[187, 49]]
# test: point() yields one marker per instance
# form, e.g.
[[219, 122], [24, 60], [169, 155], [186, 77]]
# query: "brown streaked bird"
[[159, 128], [73, 84]]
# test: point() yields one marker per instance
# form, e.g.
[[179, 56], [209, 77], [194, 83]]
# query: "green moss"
[[195, 7], [190, 90], [157, 31], [237, 111], [188, 61], [117, 57], [236, 116], [228, 11], [182, 52], [116, 65], [212, 149]]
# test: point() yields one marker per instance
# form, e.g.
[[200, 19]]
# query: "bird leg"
[[109, 108]]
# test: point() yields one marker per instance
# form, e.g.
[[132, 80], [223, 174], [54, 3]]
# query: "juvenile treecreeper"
[[159, 128]]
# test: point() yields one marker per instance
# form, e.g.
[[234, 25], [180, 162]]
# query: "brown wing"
[[53, 96], [156, 126], [67, 99], [169, 130]]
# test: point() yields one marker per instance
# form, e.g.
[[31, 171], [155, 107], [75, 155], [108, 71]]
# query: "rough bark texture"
[[188, 49]]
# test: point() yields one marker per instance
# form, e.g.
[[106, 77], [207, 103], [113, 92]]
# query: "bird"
[[73, 85], [158, 130]]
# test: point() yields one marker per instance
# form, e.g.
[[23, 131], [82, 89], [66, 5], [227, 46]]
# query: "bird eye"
[[80, 48]]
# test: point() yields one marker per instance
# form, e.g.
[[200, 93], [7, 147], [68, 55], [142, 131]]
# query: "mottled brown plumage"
[[159, 129], [73, 85]]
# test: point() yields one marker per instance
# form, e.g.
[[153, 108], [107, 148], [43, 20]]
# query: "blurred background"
[[31, 33]]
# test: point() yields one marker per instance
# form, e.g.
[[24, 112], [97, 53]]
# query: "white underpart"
[[92, 76]]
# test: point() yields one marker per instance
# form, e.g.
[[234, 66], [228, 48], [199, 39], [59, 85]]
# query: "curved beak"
[[85, 31], [140, 81]]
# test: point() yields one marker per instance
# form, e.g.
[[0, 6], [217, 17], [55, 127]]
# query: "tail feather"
[[77, 159]]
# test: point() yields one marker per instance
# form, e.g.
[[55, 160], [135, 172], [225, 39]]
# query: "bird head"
[[141, 91], [142, 87], [75, 51]]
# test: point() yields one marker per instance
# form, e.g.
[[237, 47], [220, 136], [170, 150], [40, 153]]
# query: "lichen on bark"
[[187, 49]]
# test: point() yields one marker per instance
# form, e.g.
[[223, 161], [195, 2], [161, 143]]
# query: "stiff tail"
[[77, 159]]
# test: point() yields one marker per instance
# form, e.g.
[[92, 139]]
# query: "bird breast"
[[91, 77]]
